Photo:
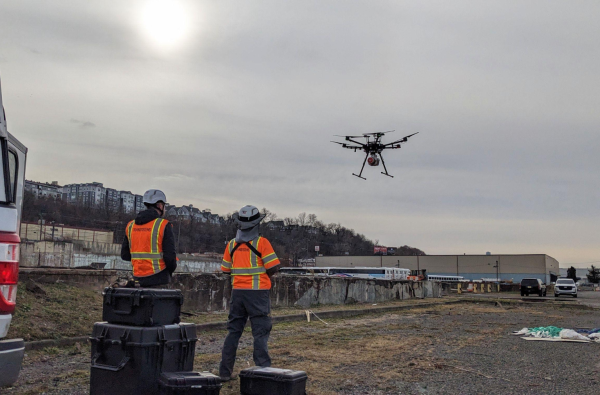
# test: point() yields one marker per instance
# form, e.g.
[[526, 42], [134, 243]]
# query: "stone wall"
[[46, 253], [211, 292], [61, 254]]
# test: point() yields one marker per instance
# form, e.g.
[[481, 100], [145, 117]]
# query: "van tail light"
[[9, 275]]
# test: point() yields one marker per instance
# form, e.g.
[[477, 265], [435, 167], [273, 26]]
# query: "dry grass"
[[68, 311], [221, 316], [353, 354], [64, 311]]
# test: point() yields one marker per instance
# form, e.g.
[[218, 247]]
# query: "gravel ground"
[[455, 349]]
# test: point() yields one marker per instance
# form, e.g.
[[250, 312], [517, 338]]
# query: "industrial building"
[[471, 267]]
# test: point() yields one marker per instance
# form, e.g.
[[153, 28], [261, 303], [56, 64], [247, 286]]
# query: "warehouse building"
[[471, 267]]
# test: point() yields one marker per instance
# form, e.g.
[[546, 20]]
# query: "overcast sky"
[[228, 103]]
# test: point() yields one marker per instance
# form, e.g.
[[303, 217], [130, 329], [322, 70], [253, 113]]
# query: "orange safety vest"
[[145, 245], [249, 270]]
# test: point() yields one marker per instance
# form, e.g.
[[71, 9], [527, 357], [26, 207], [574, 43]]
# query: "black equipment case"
[[263, 381], [142, 306], [189, 383], [129, 360]]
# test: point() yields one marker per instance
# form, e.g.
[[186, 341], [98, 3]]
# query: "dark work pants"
[[155, 280], [244, 304]]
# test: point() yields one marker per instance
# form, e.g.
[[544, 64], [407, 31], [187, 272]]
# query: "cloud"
[[83, 124]]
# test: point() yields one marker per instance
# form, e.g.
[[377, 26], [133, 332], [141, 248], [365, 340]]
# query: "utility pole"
[[179, 231], [41, 224], [497, 272]]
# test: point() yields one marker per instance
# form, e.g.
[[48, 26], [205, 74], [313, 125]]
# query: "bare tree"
[[302, 219], [269, 215]]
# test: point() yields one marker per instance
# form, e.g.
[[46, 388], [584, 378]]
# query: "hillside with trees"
[[293, 238]]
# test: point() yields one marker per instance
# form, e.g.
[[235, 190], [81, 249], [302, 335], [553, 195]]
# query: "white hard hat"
[[248, 217], [153, 196]]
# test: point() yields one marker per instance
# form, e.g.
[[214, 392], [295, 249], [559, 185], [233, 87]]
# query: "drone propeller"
[[402, 140], [339, 135], [378, 133]]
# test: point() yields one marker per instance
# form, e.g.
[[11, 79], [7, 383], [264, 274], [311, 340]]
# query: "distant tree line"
[[293, 238], [593, 275]]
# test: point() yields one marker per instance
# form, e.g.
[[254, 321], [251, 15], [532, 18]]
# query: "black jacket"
[[168, 242]]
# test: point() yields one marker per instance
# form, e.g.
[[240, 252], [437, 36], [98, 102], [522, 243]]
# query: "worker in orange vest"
[[149, 243], [251, 261]]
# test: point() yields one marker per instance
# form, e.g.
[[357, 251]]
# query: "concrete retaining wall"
[[62, 254], [211, 292]]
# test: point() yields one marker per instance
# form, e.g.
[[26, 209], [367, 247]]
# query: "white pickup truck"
[[12, 178]]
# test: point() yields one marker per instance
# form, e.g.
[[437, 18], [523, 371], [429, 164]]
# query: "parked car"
[[532, 286], [565, 286]]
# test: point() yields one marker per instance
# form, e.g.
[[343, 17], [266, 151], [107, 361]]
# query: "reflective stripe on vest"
[[248, 272], [129, 230], [144, 255], [154, 244]]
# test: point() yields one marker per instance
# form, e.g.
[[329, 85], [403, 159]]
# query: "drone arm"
[[402, 140], [356, 142], [347, 146]]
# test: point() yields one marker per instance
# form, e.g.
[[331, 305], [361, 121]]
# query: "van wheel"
[[556, 295], [574, 296]]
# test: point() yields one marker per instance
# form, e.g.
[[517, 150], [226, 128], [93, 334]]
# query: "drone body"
[[373, 148]]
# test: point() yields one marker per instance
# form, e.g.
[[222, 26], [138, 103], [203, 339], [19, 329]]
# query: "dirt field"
[[463, 348]]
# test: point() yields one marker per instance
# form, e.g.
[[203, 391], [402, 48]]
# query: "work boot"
[[225, 379]]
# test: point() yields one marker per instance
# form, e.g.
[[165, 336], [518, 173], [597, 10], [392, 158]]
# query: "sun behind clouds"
[[165, 23]]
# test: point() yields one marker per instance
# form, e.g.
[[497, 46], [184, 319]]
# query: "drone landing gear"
[[384, 168], [359, 175]]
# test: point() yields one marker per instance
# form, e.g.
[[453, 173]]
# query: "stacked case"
[[143, 349]]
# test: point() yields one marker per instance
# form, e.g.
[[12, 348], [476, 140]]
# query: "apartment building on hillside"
[[44, 189], [94, 194]]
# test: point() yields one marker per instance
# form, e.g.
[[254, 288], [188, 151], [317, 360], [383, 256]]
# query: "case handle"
[[124, 312], [133, 298], [111, 368]]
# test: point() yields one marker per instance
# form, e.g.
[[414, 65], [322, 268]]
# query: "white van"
[[12, 179]]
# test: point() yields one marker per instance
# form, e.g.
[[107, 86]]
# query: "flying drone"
[[373, 148]]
